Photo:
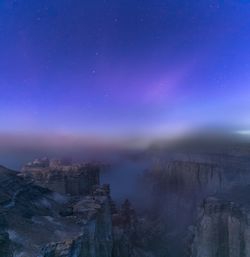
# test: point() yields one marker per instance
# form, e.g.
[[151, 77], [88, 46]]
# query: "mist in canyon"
[[182, 192]]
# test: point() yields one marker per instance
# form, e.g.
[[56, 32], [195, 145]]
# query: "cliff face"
[[223, 229], [95, 239], [61, 177], [177, 185], [187, 177], [127, 241], [107, 232]]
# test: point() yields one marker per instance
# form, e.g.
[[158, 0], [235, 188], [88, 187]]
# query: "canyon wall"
[[176, 187]]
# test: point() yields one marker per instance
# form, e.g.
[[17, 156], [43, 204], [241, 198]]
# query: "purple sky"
[[123, 67]]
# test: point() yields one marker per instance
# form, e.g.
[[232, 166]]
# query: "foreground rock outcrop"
[[93, 214], [35, 221], [30, 216], [107, 232]]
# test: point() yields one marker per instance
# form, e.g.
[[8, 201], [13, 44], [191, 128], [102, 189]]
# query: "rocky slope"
[[29, 216], [35, 221]]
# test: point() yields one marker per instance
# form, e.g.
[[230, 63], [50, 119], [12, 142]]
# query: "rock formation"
[[125, 231], [28, 215], [62, 176], [93, 214], [35, 221], [177, 185], [223, 228], [59, 209], [107, 232]]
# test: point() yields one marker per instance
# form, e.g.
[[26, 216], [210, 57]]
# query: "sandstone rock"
[[62, 177], [101, 236], [223, 227], [127, 241], [177, 184], [96, 239], [29, 216]]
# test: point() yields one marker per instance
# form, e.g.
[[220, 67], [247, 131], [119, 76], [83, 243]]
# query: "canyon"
[[187, 203]]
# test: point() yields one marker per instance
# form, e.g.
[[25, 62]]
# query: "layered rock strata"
[[62, 177], [223, 227]]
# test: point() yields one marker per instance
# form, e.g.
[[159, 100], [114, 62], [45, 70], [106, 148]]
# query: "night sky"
[[118, 68]]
